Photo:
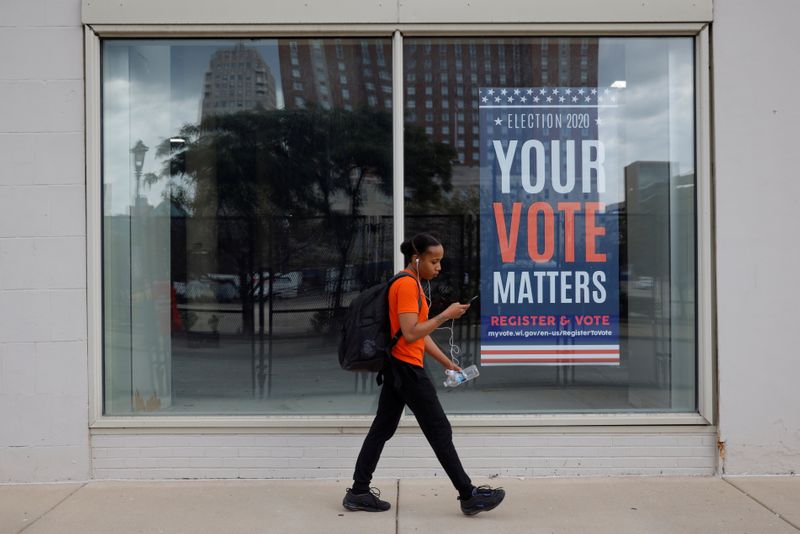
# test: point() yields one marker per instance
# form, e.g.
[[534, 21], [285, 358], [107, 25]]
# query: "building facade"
[[191, 199]]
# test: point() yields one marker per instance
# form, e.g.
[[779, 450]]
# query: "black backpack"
[[366, 336]]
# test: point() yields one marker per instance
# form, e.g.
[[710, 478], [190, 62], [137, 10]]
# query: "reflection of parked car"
[[209, 288], [199, 290], [286, 285], [643, 282], [226, 287]]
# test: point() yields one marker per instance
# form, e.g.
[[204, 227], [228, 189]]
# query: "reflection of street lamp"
[[139, 150]]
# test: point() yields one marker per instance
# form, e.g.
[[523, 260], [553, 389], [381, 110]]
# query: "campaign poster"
[[549, 246]]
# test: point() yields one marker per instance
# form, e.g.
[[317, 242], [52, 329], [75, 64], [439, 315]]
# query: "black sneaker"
[[368, 502], [483, 499]]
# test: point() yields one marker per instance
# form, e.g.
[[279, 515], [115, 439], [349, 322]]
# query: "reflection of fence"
[[276, 277], [295, 277]]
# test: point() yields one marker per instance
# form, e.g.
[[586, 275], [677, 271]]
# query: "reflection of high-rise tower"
[[237, 79], [336, 73], [436, 76]]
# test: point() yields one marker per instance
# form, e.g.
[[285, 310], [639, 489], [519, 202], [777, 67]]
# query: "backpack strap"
[[399, 333]]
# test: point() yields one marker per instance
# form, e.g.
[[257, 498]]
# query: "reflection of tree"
[[428, 168], [263, 166]]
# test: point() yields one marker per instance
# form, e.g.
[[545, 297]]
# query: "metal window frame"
[[706, 349]]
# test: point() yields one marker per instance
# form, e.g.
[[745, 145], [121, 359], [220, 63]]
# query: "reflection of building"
[[436, 77], [647, 212], [341, 74], [656, 216], [237, 79], [657, 244], [348, 74]]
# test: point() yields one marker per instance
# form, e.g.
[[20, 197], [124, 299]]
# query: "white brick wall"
[[43, 354], [585, 453]]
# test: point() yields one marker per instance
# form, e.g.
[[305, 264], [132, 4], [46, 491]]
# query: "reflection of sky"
[[150, 90], [656, 121]]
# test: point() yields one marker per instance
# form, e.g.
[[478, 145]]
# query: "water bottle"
[[456, 378]]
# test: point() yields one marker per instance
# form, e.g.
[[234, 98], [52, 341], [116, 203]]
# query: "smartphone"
[[470, 301]]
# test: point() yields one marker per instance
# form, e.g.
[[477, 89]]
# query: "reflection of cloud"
[[150, 90], [656, 120], [133, 112]]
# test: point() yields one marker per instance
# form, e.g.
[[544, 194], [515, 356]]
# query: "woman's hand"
[[455, 310], [454, 367]]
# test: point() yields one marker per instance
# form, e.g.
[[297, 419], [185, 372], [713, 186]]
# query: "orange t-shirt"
[[406, 296]]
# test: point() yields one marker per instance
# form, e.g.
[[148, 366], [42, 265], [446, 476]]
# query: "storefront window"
[[565, 199], [246, 200]]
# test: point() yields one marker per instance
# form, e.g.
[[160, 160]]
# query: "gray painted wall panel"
[[400, 11], [756, 75]]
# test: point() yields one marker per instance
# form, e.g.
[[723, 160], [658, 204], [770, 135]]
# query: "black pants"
[[406, 384]]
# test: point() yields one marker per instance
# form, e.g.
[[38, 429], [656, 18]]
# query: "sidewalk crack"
[[397, 510], [796, 527], [56, 505]]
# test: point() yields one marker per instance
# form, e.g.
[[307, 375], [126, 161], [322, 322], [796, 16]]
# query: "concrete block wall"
[[43, 354], [254, 455], [757, 186]]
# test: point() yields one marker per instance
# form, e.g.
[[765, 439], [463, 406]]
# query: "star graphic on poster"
[[510, 99], [568, 91], [555, 91], [588, 98], [503, 92], [605, 90], [523, 99], [516, 91], [594, 91], [542, 91], [535, 98], [498, 121], [529, 91], [484, 100], [574, 98], [491, 91], [560, 98], [497, 99], [581, 91], [549, 98]]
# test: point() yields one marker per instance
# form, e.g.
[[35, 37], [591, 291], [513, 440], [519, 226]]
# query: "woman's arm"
[[413, 330], [433, 349]]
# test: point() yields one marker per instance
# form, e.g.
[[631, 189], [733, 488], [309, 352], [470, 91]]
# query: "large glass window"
[[592, 141], [246, 200]]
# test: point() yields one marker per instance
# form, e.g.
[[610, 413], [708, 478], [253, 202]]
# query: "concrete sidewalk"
[[537, 505]]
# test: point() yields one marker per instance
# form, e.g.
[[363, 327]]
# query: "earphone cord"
[[454, 349]]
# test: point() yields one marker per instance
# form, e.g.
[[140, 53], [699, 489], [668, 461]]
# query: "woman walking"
[[407, 384]]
